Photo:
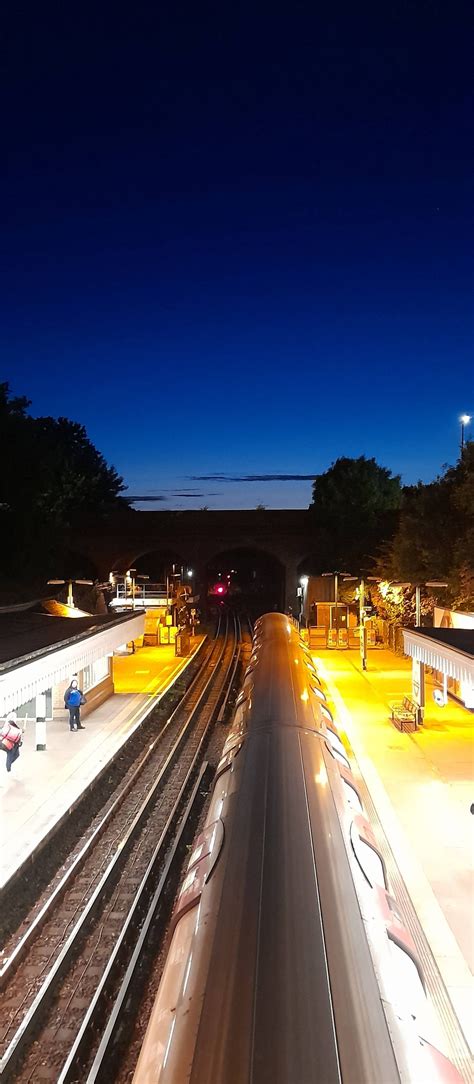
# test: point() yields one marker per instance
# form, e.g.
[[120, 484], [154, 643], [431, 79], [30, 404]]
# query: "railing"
[[141, 591]]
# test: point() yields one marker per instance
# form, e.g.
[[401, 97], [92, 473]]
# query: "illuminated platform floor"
[[422, 786], [42, 786]]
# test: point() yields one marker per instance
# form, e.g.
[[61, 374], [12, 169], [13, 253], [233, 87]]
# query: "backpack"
[[73, 698], [11, 738]]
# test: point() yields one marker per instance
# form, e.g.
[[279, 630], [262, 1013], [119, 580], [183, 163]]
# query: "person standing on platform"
[[73, 700], [10, 739]]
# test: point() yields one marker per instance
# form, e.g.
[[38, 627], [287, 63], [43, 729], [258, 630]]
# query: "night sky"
[[237, 241]]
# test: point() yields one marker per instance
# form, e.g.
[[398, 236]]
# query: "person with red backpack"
[[10, 739]]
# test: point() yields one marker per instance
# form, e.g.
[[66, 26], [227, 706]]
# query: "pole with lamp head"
[[464, 419], [70, 599], [303, 585], [130, 574], [362, 627]]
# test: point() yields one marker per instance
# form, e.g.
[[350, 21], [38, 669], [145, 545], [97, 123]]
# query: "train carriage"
[[288, 960]]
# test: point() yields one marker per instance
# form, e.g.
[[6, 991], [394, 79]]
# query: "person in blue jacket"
[[73, 700]]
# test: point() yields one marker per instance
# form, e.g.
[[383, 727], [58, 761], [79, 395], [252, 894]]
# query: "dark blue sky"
[[239, 242]]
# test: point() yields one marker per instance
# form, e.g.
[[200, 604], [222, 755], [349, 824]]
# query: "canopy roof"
[[451, 651], [38, 651]]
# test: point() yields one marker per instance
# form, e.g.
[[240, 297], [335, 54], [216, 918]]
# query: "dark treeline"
[[52, 479], [365, 521]]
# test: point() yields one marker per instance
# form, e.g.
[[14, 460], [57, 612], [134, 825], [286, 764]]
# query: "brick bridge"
[[198, 538]]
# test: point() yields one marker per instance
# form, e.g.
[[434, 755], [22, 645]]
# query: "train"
[[288, 960]]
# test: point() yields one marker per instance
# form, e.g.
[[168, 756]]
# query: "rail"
[[111, 881]]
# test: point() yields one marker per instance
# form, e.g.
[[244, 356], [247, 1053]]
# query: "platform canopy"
[[25, 677], [450, 651]]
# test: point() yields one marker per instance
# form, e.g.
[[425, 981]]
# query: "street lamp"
[[132, 575], [303, 585], [363, 631], [418, 586], [464, 419], [70, 600]]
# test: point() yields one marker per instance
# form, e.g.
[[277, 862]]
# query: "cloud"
[[253, 477], [146, 497], [170, 493]]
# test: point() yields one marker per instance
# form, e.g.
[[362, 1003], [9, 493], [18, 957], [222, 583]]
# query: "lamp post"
[[303, 584], [190, 577], [70, 599], [418, 586], [132, 574], [464, 419], [363, 631]]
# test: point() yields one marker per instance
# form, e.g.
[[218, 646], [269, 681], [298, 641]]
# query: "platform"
[[422, 786], [43, 786]]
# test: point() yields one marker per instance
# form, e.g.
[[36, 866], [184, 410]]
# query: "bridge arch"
[[198, 536], [254, 577]]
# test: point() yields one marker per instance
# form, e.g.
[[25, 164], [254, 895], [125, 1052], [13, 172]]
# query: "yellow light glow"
[[321, 778], [304, 695]]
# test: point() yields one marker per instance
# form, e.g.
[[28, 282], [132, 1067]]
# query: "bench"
[[405, 714]]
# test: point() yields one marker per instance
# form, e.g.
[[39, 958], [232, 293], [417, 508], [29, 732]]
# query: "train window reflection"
[[318, 692], [335, 741], [341, 757], [369, 860], [407, 985], [326, 713], [352, 798]]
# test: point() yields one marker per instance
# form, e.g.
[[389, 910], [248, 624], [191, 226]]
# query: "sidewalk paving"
[[422, 787], [43, 786]]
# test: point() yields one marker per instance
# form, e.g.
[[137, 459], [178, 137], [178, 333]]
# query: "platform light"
[[464, 419], [69, 581]]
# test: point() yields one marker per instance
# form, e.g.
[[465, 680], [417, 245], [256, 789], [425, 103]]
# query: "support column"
[[418, 689], [40, 730]]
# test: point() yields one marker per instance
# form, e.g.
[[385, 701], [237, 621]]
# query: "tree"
[[354, 510], [53, 478], [435, 535]]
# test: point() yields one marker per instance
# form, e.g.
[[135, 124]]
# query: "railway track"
[[88, 928]]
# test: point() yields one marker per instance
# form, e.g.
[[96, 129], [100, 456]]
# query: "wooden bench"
[[404, 714]]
